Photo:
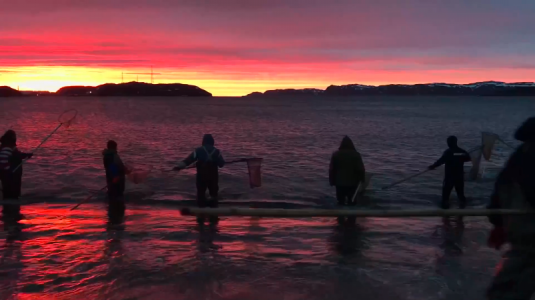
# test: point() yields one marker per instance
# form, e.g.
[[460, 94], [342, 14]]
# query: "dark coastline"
[[489, 88], [139, 89], [130, 89]]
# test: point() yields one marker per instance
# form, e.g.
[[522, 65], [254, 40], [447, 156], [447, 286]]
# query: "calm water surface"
[[157, 254]]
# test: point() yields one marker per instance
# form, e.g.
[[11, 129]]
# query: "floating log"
[[305, 213]]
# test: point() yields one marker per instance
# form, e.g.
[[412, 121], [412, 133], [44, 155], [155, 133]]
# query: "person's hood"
[[347, 144], [452, 142], [9, 139], [208, 140], [526, 131]]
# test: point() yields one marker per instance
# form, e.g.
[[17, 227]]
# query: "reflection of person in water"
[[10, 261], [113, 249], [116, 212], [206, 237], [453, 229], [347, 239]]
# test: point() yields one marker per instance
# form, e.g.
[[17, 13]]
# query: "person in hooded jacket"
[[515, 189], [10, 159], [208, 160], [346, 171], [454, 158], [115, 177]]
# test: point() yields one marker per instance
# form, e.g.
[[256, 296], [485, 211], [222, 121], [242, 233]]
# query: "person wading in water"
[[115, 178], [346, 172], [454, 159], [208, 160], [515, 189], [10, 159]]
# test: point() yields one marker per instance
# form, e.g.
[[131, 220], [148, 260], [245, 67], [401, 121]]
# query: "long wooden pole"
[[37, 148], [405, 179], [88, 198], [304, 213]]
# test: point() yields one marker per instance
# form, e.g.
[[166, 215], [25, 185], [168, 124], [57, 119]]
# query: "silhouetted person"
[[209, 160], [10, 159], [115, 176], [454, 159], [346, 171], [515, 189]]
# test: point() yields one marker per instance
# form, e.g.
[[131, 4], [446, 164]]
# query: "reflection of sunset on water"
[[159, 254], [61, 254]]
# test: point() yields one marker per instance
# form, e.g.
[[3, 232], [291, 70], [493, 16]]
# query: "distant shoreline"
[[487, 88], [130, 89], [139, 89]]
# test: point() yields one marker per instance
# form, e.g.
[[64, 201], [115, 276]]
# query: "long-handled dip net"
[[137, 175], [133, 174], [65, 119], [254, 168]]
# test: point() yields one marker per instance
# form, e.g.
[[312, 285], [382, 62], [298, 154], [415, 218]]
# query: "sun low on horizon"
[[232, 48]]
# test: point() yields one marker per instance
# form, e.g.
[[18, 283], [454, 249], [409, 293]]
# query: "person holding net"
[[11, 174], [453, 159], [116, 172], [346, 172], [209, 160]]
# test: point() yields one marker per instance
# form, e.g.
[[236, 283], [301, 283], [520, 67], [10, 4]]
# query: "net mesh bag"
[[476, 163], [254, 165], [67, 118], [136, 175], [367, 180], [487, 142]]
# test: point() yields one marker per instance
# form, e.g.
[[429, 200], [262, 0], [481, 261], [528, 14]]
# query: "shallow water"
[[157, 254]]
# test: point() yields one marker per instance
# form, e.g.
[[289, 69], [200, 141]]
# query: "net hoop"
[[137, 175], [67, 116]]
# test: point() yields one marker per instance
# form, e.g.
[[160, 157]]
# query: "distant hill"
[[487, 88], [6, 91], [288, 92], [72, 91], [135, 89]]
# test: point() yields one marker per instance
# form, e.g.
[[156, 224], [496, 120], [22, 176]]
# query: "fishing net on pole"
[[475, 156], [367, 180], [487, 143], [136, 175], [67, 117], [254, 165]]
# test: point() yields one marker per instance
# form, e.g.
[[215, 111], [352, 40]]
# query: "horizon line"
[[275, 88]]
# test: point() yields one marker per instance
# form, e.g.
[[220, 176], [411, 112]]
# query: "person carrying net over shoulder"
[[454, 158], [209, 160]]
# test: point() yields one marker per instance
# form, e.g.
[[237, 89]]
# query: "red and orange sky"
[[234, 47]]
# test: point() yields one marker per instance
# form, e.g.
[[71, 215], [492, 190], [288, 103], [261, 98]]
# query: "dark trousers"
[[10, 191], [447, 187], [344, 194], [116, 190], [213, 189], [116, 209]]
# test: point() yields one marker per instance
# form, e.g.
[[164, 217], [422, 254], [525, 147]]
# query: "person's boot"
[[445, 205], [462, 204]]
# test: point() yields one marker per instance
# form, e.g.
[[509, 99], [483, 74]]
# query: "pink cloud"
[[240, 39]]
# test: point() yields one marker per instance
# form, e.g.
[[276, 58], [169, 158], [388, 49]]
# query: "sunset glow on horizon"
[[232, 48]]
